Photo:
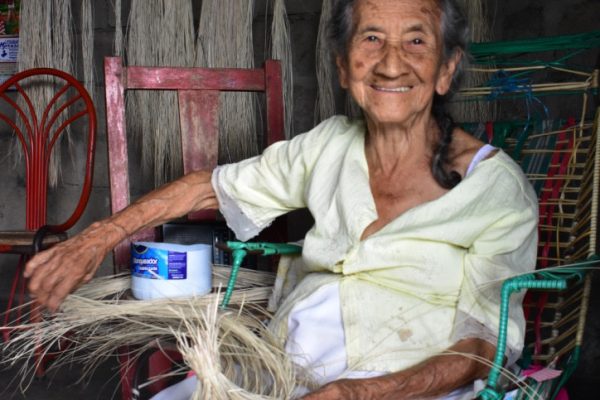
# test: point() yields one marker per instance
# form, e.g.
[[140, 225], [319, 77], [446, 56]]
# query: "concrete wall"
[[510, 19]]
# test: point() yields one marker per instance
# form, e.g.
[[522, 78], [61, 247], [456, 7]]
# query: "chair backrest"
[[562, 161], [38, 130], [198, 91], [549, 133]]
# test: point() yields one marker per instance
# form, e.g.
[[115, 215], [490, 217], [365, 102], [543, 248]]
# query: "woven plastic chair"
[[563, 165], [536, 80]]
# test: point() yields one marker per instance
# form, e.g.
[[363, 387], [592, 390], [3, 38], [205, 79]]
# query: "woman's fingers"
[[56, 272]]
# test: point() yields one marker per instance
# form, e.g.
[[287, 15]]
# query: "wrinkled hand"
[[56, 272]]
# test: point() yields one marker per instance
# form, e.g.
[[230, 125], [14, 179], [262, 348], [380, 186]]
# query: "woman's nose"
[[392, 62]]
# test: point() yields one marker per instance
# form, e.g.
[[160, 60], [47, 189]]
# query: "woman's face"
[[394, 62]]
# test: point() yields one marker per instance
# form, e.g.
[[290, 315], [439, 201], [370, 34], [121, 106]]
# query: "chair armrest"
[[553, 279], [241, 249]]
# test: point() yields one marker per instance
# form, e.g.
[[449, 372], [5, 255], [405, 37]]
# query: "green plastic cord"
[[492, 391], [577, 41], [241, 249]]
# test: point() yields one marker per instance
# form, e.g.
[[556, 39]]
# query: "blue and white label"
[[151, 263], [9, 49]]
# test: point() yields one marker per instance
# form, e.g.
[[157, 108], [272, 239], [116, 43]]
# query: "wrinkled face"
[[394, 64]]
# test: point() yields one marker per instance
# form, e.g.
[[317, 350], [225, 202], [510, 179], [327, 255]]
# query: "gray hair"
[[455, 32]]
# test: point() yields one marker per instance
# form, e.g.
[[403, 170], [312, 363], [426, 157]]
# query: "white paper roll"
[[168, 270]]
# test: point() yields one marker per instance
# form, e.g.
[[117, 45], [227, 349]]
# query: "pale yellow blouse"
[[402, 288]]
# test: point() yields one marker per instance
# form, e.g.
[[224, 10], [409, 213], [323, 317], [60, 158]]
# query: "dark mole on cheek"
[[359, 64]]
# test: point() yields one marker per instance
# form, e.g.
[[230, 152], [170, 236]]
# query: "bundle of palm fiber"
[[159, 33], [325, 68], [479, 29], [281, 49], [224, 40], [46, 41], [229, 349]]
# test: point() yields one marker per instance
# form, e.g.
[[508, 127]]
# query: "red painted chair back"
[[198, 92], [38, 133]]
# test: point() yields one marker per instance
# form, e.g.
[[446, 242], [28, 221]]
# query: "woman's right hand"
[[58, 271]]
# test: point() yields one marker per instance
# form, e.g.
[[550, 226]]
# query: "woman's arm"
[[56, 272], [432, 378]]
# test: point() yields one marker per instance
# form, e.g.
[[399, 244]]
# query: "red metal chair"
[[198, 92], [37, 131]]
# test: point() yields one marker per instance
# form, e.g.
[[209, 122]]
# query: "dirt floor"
[[62, 384]]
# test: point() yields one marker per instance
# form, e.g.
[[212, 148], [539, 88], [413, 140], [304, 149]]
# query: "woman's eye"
[[370, 42], [416, 45]]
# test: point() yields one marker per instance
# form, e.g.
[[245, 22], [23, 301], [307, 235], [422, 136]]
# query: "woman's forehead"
[[397, 11]]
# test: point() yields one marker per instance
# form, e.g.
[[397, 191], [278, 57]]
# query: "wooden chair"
[[198, 92], [69, 109]]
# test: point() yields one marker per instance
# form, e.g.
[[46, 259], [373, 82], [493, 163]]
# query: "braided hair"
[[455, 36]]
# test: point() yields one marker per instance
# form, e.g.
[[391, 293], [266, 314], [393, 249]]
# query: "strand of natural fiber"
[[45, 40], [325, 101], [87, 47], [118, 43], [281, 49], [224, 40]]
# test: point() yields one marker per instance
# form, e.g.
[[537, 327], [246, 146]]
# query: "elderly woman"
[[415, 220]]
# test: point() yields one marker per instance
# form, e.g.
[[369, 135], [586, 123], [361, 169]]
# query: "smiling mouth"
[[400, 89]]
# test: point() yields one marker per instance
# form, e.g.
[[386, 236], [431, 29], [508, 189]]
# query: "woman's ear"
[[446, 74], [342, 71]]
